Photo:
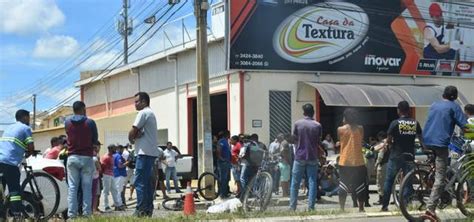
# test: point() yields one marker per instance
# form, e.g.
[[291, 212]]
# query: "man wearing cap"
[[434, 32]]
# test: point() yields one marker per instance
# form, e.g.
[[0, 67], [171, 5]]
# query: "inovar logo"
[[372, 60], [321, 32]]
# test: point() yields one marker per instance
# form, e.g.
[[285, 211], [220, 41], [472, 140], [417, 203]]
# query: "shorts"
[[353, 184], [284, 172]]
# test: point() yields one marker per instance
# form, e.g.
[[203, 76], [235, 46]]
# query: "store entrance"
[[219, 122], [373, 119]]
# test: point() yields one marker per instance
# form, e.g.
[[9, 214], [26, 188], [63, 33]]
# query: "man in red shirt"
[[236, 145], [53, 153], [107, 165]]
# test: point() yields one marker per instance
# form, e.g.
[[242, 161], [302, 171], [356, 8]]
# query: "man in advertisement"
[[434, 34]]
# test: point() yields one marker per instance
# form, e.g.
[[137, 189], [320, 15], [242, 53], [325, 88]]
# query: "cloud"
[[58, 46], [100, 61], [22, 17]]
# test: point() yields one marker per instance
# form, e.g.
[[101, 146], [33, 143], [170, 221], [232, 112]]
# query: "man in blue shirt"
[[439, 128], [223, 163], [120, 176], [15, 141]]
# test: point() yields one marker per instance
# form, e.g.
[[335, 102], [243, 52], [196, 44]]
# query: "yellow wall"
[[114, 125], [42, 138]]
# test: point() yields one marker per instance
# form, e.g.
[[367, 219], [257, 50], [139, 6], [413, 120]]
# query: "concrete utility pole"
[[203, 100], [125, 28], [34, 112]]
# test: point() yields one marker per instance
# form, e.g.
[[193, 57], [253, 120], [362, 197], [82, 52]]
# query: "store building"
[[260, 101]]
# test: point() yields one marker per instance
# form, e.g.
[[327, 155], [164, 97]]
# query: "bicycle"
[[32, 196], [258, 193], [417, 185], [43, 188], [207, 189]]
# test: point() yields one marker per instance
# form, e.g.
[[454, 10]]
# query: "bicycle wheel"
[[208, 191], [396, 188], [31, 208], [415, 192], [173, 204], [258, 193], [46, 193], [465, 196]]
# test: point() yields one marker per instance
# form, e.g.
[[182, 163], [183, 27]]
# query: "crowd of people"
[[299, 158], [302, 157]]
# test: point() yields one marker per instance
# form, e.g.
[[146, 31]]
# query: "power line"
[[107, 70]]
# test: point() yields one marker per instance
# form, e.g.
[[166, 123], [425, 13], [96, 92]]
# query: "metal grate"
[[280, 113]]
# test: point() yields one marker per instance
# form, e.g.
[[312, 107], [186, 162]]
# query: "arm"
[[381, 145], [460, 119], [95, 134], [219, 151], [419, 135], [135, 132], [440, 48], [30, 146]]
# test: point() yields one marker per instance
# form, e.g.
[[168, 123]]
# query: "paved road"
[[372, 213]]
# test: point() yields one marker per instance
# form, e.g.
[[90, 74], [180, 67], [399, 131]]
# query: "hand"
[[139, 134], [456, 45]]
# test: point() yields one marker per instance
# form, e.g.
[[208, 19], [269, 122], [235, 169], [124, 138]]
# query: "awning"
[[359, 95]]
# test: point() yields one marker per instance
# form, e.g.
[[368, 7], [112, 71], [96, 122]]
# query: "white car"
[[56, 169]]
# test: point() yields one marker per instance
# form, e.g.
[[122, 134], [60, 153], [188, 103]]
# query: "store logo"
[[372, 60], [426, 65], [463, 67], [320, 32], [445, 65]]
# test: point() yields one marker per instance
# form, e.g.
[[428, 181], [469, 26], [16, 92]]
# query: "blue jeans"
[[300, 167], [143, 180], [236, 173], [393, 166], [330, 189], [80, 170], [171, 171], [223, 168], [246, 175]]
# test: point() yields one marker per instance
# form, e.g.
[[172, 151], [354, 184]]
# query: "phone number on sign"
[[249, 56], [252, 63]]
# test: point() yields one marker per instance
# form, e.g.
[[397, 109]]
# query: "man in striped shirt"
[[15, 141]]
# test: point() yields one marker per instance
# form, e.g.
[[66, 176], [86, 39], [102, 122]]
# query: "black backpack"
[[253, 153]]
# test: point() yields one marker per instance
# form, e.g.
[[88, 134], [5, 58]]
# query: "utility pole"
[[34, 111], [203, 100], [125, 28]]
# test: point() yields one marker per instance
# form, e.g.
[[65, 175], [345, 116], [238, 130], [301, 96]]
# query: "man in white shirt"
[[171, 157], [144, 135]]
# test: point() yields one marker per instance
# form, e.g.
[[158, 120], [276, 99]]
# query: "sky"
[[45, 44]]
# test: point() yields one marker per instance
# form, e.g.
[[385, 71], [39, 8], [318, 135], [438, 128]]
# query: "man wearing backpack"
[[251, 155]]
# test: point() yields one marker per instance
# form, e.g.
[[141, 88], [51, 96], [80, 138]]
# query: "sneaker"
[[18, 218], [384, 209], [108, 209], [432, 215], [179, 191]]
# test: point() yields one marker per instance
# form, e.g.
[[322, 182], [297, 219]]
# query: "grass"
[[202, 216]]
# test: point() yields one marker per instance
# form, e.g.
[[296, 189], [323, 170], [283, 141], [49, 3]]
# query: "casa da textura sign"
[[391, 36]]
